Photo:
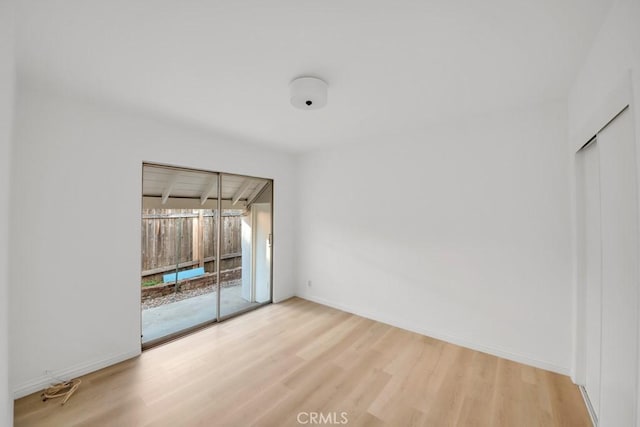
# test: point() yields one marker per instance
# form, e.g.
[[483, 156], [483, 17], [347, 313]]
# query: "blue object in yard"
[[186, 274]]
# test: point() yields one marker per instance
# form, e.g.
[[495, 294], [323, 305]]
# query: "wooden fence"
[[190, 235]]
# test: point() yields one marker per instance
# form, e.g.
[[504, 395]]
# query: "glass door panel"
[[245, 275], [179, 232]]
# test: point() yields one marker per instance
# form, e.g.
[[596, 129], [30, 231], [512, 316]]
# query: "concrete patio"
[[158, 322]]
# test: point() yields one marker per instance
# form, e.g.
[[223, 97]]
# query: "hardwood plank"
[[269, 365]]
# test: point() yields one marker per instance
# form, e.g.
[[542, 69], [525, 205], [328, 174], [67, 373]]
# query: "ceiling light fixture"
[[308, 93]]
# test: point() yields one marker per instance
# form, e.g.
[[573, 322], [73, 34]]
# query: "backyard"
[[178, 281]]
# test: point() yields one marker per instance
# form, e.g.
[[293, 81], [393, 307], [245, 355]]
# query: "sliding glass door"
[[206, 248]]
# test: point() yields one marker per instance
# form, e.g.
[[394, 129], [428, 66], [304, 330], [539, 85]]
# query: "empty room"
[[291, 213]]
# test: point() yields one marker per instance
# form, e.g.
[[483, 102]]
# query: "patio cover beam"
[[167, 191], [212, 186], [243, 189], [256, 192]]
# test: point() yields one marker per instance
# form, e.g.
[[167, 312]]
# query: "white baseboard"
[[505, 354], [44, 380]]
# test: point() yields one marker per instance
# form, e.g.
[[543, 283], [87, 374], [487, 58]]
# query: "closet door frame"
[[590, 268], [619, 100]]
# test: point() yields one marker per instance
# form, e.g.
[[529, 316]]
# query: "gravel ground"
[[156, 302]]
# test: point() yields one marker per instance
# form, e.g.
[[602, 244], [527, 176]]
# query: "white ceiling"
[[390, 65]]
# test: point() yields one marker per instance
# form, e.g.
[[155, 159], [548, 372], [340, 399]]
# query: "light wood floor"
[[266, 367]]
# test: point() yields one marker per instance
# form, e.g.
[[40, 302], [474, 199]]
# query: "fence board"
[[187, 264], [161, 228]]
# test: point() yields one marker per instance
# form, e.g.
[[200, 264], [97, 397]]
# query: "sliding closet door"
[[619, 209], [591, 266]]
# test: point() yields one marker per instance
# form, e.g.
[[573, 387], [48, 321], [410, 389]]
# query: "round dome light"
[[308, 93]]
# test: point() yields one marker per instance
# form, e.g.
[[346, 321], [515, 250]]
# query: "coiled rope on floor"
[[64, 389]]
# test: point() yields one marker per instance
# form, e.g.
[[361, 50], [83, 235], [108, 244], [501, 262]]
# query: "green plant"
[[150, 282]]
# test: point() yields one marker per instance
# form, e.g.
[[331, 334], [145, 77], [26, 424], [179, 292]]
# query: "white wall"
[[615, 51], [77, 171], [462, 234], [6, 120], [614, 56]]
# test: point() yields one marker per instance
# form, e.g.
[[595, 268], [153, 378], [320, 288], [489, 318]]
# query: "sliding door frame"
[[218, 318]]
